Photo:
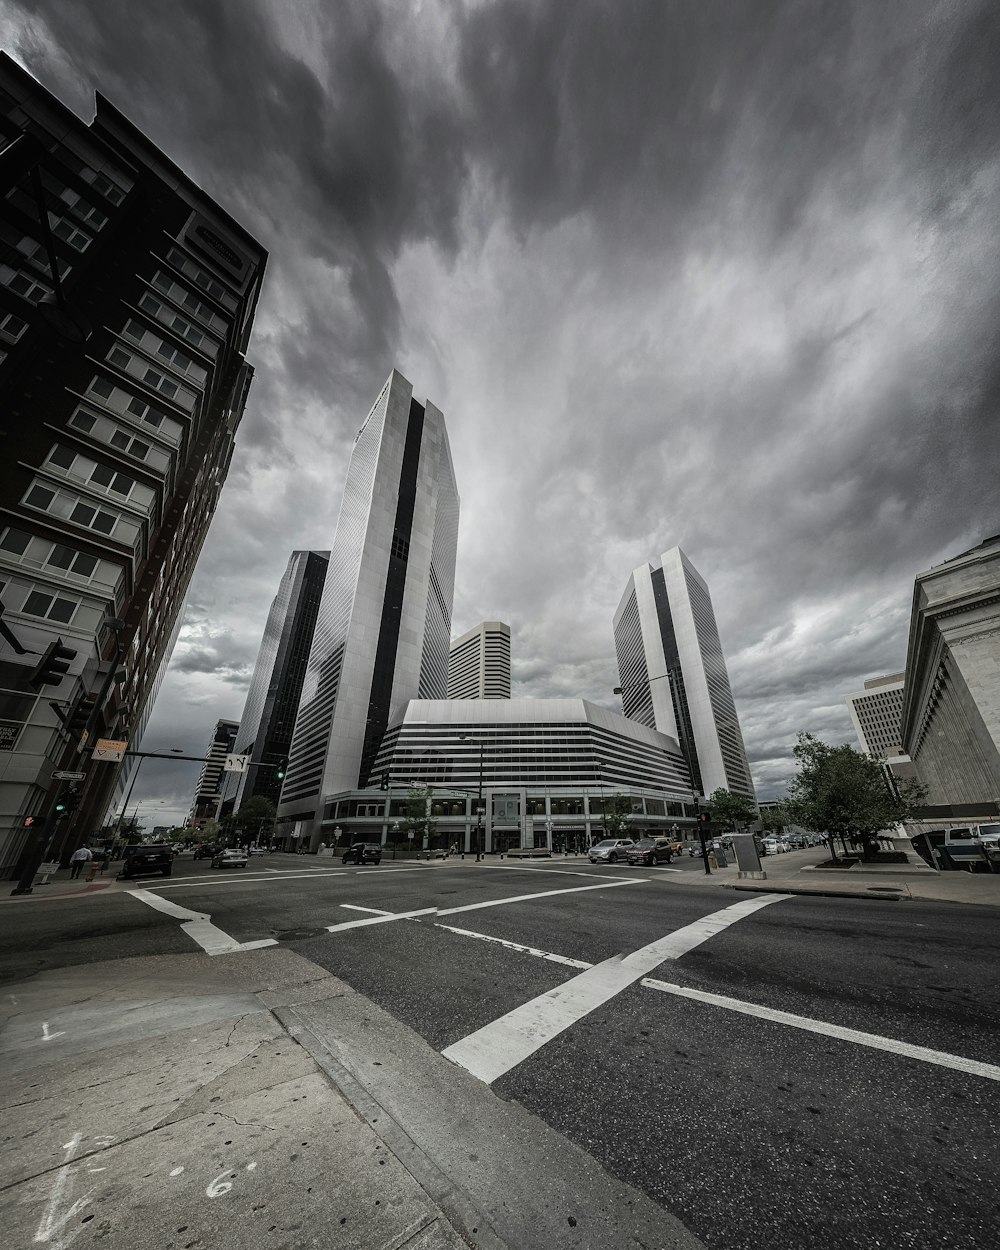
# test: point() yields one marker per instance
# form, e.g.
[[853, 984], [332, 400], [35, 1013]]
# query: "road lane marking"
[[199, 927], [972, 1067], [491, 1051], [200, 883], [516, 946], [521, 898], [380, 919], [50, 1037], [374, 911], [565, 872]]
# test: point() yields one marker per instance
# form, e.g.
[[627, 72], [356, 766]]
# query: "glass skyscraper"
[[673, 674], [265, 732], [384, 624]]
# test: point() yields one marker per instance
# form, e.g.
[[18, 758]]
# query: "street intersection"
[[772, 1070]]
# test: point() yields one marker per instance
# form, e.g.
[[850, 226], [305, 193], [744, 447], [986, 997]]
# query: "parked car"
[[256, 850], [231, 857], [363, 853], [651, 851], [609, 850], [771, 846], [140, 861]]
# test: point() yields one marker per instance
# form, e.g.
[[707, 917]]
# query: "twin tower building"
[[358, 694]]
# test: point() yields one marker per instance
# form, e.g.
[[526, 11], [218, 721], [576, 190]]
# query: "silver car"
[[610, 850]]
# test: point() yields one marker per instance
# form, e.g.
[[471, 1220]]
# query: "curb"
[[459, 1209], [892, 896]]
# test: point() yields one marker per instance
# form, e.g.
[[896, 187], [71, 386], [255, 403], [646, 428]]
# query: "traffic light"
[[384, 783], [53, 666], [79, 717], [282, 768]]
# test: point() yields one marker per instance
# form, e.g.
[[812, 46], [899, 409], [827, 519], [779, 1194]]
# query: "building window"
[[93, 518], [11, 326], [15, 541], [62, 457], [39, 497], [72, 561], [83, 421], [50, 607]]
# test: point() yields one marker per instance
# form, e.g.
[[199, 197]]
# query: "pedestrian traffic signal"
[[704, 818], [53, 666]]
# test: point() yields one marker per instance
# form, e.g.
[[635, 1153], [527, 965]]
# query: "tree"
[[418, 821], [618, 816], [842, 793], [773, 819], [256, 815], [732, 809]]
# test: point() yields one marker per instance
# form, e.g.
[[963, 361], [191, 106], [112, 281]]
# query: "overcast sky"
[[719, 274]]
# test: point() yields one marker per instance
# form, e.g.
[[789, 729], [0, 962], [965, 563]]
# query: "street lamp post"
[[479, 805]]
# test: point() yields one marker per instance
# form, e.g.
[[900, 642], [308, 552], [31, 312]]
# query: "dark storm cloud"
[[723, 275]]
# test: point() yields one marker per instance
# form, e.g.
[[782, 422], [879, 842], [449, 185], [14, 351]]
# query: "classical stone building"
[[951, 701]]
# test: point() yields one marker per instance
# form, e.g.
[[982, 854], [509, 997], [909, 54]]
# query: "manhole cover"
[[296, 935]]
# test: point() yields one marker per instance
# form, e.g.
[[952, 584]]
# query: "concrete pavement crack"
[[243, 1123]]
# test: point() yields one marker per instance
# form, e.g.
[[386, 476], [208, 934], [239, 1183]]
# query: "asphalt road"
[[754, 1131]]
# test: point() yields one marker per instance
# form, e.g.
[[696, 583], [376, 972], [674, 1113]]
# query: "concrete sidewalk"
[[873, 882], [255, 1099]]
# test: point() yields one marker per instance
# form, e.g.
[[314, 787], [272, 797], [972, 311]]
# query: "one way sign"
[[236, 763]]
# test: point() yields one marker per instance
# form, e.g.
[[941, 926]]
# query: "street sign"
[[63, 776], [236, 764], [110, 749], [8, 736]]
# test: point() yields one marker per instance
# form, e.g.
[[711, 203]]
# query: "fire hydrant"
[[92, 868], [713, 861]]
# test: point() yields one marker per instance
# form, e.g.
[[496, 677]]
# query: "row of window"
[[124, 442], [125, 401], [180, 325], [91, 471], [137, 367], [59, 556], [166, 351], [181, 295], [71, 508]]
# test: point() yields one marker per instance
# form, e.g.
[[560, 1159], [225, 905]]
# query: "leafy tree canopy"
[[618, 816], [257, 808], [732, 809], [839, 791]]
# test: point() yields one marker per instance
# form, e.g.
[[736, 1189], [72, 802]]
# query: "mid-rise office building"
[[545, 769], [214, 783], [479, 663], [673, 674], [384, 622], [127, 298], [265, 732], [876, 712], [951, 697]]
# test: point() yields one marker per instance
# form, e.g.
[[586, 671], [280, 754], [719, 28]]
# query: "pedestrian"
[[80, 856], [102, 858]]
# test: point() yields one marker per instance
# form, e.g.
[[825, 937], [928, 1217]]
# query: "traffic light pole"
[[39, 845]]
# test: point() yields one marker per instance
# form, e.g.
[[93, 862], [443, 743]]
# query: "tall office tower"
[[673, 673], [127, 298], [214, 782], [385, 620], [479, 663], [876, 712], [276, 685]]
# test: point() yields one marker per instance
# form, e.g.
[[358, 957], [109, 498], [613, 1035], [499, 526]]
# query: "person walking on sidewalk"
[[80, 856]]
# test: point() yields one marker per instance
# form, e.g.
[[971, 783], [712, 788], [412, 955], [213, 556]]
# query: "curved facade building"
[[545, 768]]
